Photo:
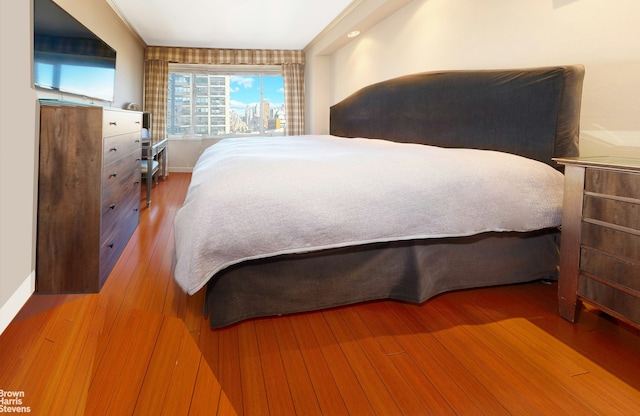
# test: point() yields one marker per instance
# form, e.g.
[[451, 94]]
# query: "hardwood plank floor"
[[141, 346]]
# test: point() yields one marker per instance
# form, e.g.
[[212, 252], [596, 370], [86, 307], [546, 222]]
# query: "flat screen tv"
[[68, 57]]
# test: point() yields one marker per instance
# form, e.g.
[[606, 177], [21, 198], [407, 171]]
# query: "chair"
[[147, 160]]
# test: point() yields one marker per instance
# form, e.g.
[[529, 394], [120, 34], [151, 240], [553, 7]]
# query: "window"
[[206, 101]]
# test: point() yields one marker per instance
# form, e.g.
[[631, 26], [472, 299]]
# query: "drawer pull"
[[113, 175], [136, 182], [137, 140], [113, 123], [110, 245], [114, 149], [112, 206]]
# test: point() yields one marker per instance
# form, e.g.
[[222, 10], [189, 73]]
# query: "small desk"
[[150, 153]]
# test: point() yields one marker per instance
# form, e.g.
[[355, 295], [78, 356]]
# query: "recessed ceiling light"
[[353, 34]]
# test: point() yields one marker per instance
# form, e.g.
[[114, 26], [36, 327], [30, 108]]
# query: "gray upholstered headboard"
[[531, 112]]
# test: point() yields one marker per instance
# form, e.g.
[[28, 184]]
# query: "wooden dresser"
[[88, 194], [600, 244]]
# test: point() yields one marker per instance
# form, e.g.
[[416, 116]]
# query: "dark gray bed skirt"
[[411, 271]]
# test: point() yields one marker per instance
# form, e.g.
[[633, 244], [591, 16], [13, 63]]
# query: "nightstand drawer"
[[611, 269], [622, 303], [611, 182], [611, 241], [622, 213]]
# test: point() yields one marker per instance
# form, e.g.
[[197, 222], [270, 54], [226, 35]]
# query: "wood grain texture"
[[613, 182], [141, 346], [69, 195], [88, 186]]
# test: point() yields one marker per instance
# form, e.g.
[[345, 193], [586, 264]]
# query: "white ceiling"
[[233, 24]]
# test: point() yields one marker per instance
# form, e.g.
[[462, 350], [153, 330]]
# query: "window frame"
[[225, 70]]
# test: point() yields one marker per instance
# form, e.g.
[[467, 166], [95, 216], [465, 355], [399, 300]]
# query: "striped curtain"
[[156, 69], [294, 98], [156, 79]]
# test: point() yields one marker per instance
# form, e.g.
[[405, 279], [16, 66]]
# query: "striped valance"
[[223, 56]]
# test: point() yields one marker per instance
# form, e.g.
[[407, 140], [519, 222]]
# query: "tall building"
[[211, 104], [179, 104], [266, 113]]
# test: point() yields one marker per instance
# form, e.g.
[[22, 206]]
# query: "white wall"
[[17, 158], [182, 154], [468, 34], [19, 131]]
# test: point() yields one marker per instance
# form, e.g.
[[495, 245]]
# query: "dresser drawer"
[[115, 241], [116, 147], [611, 241], [115, 195], [611, 182], [120, 122], [119, 205], [121, 171]]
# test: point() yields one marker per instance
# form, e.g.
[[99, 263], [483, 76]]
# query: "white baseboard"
[[10, 309], [188, 169]]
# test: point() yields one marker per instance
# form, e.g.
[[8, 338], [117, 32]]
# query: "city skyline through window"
[[244, 91], [210, 104]]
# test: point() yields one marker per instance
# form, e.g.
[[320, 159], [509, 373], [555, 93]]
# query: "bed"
[[427, 183]]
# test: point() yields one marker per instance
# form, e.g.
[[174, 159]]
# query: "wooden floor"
[[141, 346]]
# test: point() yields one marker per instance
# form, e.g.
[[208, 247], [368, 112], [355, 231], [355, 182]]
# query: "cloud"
[[244, 82]]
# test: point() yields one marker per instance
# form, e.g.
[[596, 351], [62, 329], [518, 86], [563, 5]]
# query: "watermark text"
[[12, 401]]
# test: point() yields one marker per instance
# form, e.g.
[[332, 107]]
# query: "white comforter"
[[252, 198]]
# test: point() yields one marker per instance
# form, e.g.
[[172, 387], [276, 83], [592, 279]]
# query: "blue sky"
[[246, 90]]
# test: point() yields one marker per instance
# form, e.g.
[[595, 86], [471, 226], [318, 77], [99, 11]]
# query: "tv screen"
[[68, 57]]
